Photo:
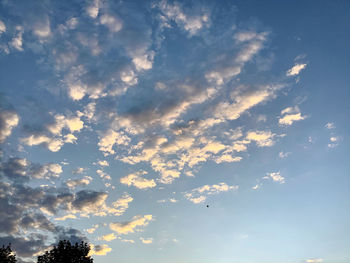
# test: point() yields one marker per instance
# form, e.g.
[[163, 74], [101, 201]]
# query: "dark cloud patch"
[[86, 198], [24, 247], [15, 169]]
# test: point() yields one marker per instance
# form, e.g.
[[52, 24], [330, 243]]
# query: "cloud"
[[295, 70], [108, 237], [92, 229], [330, 125], [136, 180], [110, 138], [99, 250], [146, 240], [290, 115], [131, 226], [314, 260], [243, 101], [63, 218], [256, 187], [190, 23], [54, 145], [284, 154], [122, 204], [2, 27], [334, 141], [113, 23], [42, 28], [17, 40], [199, 195], [103, 163], [79, 182], [93, 8], [52, 135], [8, 120], [276, 177], [262, 138]]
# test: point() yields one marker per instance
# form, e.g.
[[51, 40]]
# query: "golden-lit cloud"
[[290, 115], [314, 260], [146, 240], [138, 181], [8, 120], [199, 195], [108, 237], [131, 226], [99, 250]]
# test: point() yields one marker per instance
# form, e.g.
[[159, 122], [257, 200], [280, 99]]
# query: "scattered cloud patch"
[[99, 250], [135, 224], [8, 120], [146, 240], [290, 115], [138, 181], [295, 70], [199, 195], [314, 260], [276, 177]]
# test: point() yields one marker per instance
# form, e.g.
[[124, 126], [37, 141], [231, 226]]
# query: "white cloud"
[[2, 27], [262, 138], [129, 77], [244, 101], [143, 62], [131, 226], [110, 138], [295, 70], [79, 182], [136, 180], [113, 23], [63, 218], [190, 23], [199, 195], [76, 91], [284, 154], [8, 120], [17, 40], [74, 124], [93, 9], [54, 145], [330, 125], [103, 163], [276, 177], [228, 158], [42, 28], [256, 187], [290, 115], [334, 141]]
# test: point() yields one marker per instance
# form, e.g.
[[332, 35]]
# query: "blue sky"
[[121, 121]]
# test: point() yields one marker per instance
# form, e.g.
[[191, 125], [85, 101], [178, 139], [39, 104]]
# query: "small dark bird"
[[208, 206]]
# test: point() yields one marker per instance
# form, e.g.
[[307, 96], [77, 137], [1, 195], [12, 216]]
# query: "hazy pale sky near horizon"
[[121, 121]]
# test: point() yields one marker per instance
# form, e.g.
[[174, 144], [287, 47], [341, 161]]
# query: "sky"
[[176, 131]]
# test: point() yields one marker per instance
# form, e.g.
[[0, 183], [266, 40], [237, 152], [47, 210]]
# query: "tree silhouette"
[[64, 252], [6, 255]]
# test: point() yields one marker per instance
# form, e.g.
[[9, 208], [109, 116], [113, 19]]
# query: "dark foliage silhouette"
[[65, 252], [6, 255]]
